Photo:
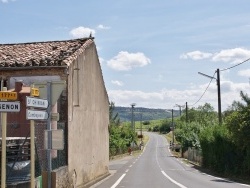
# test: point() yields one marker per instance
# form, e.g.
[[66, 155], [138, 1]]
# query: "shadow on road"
[[226, 178]]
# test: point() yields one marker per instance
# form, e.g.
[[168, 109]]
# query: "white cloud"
[[196, 55], [245, 73], [103, 27], [6, 1], [116, 82], [166, 99], [125, 61], [235, 55], [81, 32]]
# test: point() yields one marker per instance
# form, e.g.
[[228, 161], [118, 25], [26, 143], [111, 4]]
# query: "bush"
[[187, 135], [219, 152], [156, 128], [165, 127], [146, 123]]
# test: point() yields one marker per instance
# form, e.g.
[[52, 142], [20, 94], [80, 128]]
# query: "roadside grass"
[[169, 137]]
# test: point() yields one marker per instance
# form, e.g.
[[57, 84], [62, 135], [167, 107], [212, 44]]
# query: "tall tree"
[[114, 119], [238, 122]]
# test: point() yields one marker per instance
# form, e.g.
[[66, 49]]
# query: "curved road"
[[157, 168]]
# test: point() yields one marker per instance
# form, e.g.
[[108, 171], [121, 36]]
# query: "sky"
[[150, 51]]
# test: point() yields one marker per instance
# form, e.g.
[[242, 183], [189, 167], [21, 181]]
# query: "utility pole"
[[132, 117], [180, 106], [173, 125], [186, 112], [141, 127], [218, 91], [172, 117], [219, 96]]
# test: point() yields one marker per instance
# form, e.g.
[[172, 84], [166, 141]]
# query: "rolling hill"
[[144, 114]]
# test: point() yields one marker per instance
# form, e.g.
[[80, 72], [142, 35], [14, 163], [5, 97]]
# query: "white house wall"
[[88, 139]]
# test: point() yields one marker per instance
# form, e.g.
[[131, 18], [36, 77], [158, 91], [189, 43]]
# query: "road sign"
[[36, 102], [34, 92], [56, 89], [9, 106], [57, 139], [8, 95], [54, 116], [36, 115]]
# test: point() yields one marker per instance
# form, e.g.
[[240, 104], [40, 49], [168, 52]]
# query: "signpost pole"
[[49, 134], [32, 153], [3, 163], [50, 90]]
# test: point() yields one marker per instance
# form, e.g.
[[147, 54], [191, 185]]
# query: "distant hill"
[[125, 113]]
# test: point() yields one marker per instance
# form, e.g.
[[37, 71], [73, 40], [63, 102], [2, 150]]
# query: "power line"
[[213, 77], [204, 91], [235, 65]]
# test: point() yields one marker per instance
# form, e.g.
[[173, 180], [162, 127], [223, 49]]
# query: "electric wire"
[[204, 91], [235, 65], [213, 78]]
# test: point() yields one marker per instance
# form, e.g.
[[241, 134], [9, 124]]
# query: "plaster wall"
[[88, 118]]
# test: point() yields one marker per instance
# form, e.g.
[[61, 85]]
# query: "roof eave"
[[31, 68]]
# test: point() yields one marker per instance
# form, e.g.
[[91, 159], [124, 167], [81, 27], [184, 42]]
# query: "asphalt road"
[[155, 167]]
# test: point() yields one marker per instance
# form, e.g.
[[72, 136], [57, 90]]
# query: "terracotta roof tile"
[[51, 53]]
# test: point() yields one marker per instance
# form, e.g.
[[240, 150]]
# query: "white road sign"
[[57, 139], [54, 116], [56, 89], [36, 102], [9, 106], [36, 115]]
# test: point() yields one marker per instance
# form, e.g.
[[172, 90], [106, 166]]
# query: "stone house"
[[83, 106]]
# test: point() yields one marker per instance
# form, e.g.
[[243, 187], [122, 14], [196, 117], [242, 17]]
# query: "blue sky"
[[150, 51]]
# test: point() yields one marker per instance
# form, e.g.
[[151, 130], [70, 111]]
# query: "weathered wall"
[[88, 115]]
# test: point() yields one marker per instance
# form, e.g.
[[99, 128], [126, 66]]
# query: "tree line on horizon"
[[142, 114]]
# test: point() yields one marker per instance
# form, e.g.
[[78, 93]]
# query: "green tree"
[[165, 127], [204, 115], [114, 119], [238, 122], [187, 134], [120, 136]]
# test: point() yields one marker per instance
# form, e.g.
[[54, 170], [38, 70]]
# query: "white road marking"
[[172, 180], [118, 181]]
